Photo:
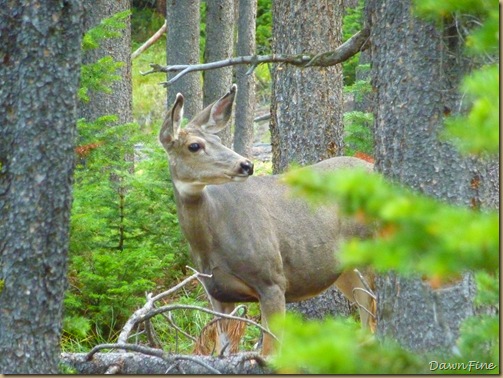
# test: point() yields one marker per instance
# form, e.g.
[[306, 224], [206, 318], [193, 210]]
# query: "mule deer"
[[257, 242]]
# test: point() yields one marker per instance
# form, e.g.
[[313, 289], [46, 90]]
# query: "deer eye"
[[194, 147]]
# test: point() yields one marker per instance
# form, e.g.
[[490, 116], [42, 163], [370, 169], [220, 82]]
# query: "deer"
[[254, 240]]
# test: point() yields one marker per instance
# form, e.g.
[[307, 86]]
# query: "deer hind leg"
[[228, 332], [351, 285], [272, 302]]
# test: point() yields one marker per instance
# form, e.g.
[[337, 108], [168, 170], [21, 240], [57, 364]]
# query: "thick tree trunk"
[[416, 69], [41, 54], [219, 46], [183, 48], [420, 318], [245, 98], [306, 107], [121, 102]]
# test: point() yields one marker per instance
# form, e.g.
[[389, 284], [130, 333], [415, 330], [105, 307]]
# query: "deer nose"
[[247, 167]]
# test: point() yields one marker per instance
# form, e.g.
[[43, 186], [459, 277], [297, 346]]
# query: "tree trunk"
[[416, 69], [121, 102], [245, 98], [41, 55], [219, 46], [306, 106], [183, 48]]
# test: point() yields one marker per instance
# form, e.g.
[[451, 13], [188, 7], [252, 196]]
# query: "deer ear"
[[215, 116], [171, 125]]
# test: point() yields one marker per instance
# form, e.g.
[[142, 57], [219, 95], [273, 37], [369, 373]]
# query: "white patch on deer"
[[188, 188]]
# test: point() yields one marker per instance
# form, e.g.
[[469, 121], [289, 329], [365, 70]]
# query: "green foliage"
[[145, 22], [263, 33], [111, 27], [485, 38], [478, 132], [124, 230], [417, 234], [338, 346], [358, 133], [351, 24], [98, 77], [358, 136]]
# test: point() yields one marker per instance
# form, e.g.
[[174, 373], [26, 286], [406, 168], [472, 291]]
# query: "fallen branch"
[[162, 309], [150, 41], [148, 311], [140, 314], [352, 46]]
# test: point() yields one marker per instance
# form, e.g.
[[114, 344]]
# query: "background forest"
[[437, 235]]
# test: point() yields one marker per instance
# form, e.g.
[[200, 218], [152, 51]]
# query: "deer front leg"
[[272, 301]]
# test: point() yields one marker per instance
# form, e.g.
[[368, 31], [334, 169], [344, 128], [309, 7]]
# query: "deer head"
[[196, 156]]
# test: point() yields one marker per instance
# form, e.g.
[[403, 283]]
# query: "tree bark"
[[306, 110], [329, 303], [245, 98], [219, 46], [120, 102], [182, 43], [416, 69], [41, 55]]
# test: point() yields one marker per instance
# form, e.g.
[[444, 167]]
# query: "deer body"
[[257, 241]]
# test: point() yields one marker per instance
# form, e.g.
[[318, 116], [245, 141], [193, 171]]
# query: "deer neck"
[[194, 215]]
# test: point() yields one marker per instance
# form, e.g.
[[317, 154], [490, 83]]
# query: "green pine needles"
[[124, 230]]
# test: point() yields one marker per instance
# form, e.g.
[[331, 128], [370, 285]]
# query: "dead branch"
[[173, 324], [137, 363], [263, 117], [132, 347], [353, 45], [198, 361], [140, 314], [150, 41], [167, 308], [148, 311]]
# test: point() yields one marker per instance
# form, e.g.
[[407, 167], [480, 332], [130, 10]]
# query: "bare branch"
[[139, 315], [135, 348], [352, 46], [263, 117], [198, 361], [365, 283], [162, 309], [150, 41], [173, 324]]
